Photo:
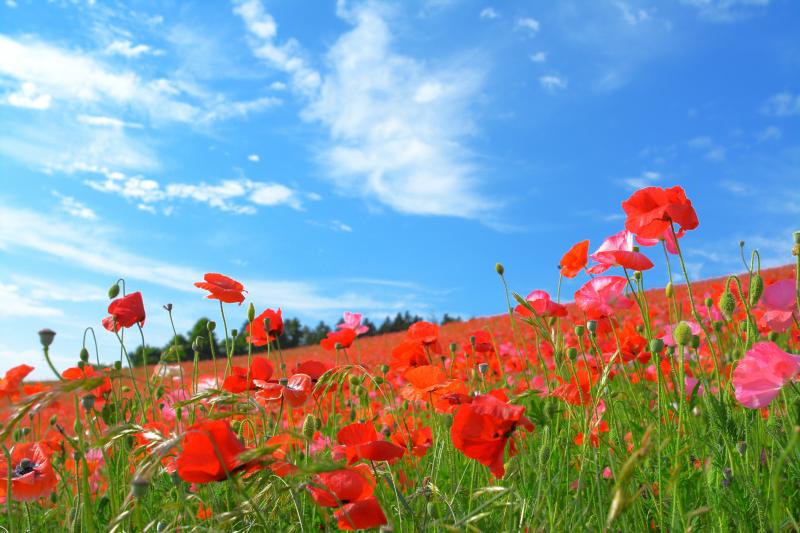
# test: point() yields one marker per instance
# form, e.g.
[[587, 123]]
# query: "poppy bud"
[[384, 369], [168, 308], [113, 291], [773, 336], [572, 353], [579, 330], [637, 276], [453, 348], [355, 381], [53, 420], [139, 487], [117, 365], [656, 345], [197, 344], [668, 290], [727, 304], [551, 321], [483, 367], [498, 267], [283, 381], [591, 325], [81, 364], [234, 332], [211, 325], [378, 380], [251, 312], [84, 354], [46, 337], [87, 402], [309, 426], [404, 405], [708, 301], [682, 334], [695, 342], [756, 289], [717, 325]]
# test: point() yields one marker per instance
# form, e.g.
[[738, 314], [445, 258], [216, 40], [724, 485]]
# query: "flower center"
[[25, 466]]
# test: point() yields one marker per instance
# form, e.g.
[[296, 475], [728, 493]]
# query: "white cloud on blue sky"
[[362, 156]]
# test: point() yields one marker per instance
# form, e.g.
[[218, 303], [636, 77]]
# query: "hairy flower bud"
[[113, 291], [756, 289], [727, 304], [251, 312], [309, 426], [84, 356], [656, 345], [498, 267], [46, 336], [682, 334], [668, 290]]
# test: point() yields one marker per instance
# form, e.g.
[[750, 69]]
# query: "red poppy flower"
[[315, 369], [410, 435], [601, 296], [542, 304], [259, 335], [343, 486], [125, 312], [574, 260], [481, 429], [9, 385], [408, 354], [483, 342], [296, 391], [360, 441], [222, 288], [32, 477], [430, 383], [651, 210], [423, 332], [343, 337], [260, 369], [363, 514], [210, 451], [617, 250]]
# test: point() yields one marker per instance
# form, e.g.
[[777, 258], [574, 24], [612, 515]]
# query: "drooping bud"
[[656, 345], [113, 291], [309, 426], [84, 355], [498, 267], [211, 325], [682, 334], [168, 308], [668, 290], [197, 344], [46, 336], [251, 312], [727, 304], [756, 289]]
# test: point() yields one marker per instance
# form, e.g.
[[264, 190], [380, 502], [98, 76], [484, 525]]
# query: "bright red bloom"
[[33, 476], [410, 435], [296, 391], [601, 296], [574, 260], [423, 332], [259, 335], [9, 385], [542, 305], [315, 369], [222, 288], [343, 486], [260, 369], [363, 514], [360, 441], [651, 210], [125, 312], [617, 250], [343, 337], [210, 451], [481, 429]]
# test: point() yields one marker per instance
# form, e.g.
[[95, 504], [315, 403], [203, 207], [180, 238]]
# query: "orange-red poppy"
[[210, 451], [575, 259], [222, 288], [359, 440], [343, 338], [652, 210], [125, 312], [260, 335], [33, 476]]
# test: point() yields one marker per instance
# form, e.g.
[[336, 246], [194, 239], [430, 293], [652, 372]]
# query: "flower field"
[[620, 407]]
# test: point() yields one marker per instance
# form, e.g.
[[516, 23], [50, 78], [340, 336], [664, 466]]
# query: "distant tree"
[[150, 354], [446, 319]]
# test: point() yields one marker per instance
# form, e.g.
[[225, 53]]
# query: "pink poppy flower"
[[542, 304], [761, 374], [601, 296], [617, 250], [353, 321], [672, 245], [780, 301]]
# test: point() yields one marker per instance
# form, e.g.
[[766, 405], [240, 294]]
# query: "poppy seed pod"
[[46, 336], [168, 308], [682, 334], [591, 325], [234, 333], [637, 275], [727, 304], [572, 353], [197, 344], [708, 302], [453, 348], [139, 487], [483, 367], [251, 312], [211, 325], [668, 290], [117, 365], [656, 345], [756, 289], [87, 402], [113, 291], [579, 330]]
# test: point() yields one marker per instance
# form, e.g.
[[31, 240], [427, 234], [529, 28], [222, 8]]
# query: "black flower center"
[[25, 466]]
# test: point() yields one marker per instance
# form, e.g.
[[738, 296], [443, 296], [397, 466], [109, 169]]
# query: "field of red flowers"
[[627, 409]]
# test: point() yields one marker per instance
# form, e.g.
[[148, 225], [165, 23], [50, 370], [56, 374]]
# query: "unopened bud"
[[168, 308], [117, 365], [113, 291], [656, 345], [139, 487], [309, 426], [579, 330], [251, 312], [727, 304], [498, 267], [87, 402], [234, 333], [756, 289], [197, 344], [709, 302], [384, 369], [682, 334], [483, 367], [84, 355], [695, 342], [572, 353], [668, 290], [453, 347], [211, 325], [637, 275]]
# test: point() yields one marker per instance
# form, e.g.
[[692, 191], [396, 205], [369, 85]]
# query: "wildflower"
[[542, 304], [425, 333], [360, 441], [351, 491], [125, 312], [32, 476], [353, 321], [601, 296], [483, 426], [780, 302], [651, 211], [618, 250], [237, 381], [296, 390], [222, 288], [9, 385], [265, 328], [343, 338], [574, 260], [411, 435], [210, 451], [761, 374]]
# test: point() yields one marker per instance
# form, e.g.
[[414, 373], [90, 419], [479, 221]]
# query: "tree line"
[[295, 333]]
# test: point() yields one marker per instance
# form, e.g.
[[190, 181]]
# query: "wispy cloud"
[[726, 10], [129, 50], [713, 151], [782, 104], [552, 82], [646, 179], [28, 96], [73, 207], [489, 13], [528, 24], [539, 57]]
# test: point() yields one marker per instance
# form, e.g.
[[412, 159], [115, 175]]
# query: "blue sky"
[[372, 156]]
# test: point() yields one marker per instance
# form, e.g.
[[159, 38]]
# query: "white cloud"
[[128, 49], [552, 82], [64, 291], [254, 158], [277, 86], [646, 179], [783, 104], [726, 10], [387, 142], [13, 303], [770, 133], [109, 122], [713, 151], [539, 57], [238, 196], [489, 13], [736, 187], [528, 23], [29, 97], [633, 15], [73, 207]]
